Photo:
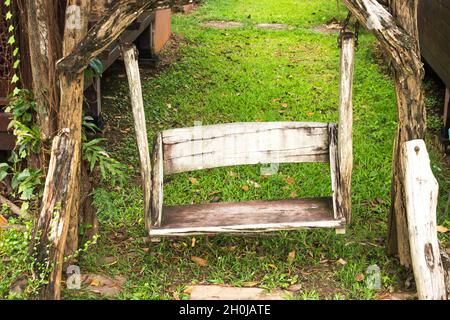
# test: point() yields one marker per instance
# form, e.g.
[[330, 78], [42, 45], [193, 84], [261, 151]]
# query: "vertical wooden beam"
[[421, 191], [71, 104], [345, 127], [137, 103], [157, 181]]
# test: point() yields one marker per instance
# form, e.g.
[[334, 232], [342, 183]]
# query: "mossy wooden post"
[[137, 104], [421, 192]]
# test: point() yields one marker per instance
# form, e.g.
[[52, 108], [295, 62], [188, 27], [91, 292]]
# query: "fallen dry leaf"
[[276, 100], [3, 221], [295, 287], [95, 282], [253, 184], [199, 261], [245, 187], [341, 261], [289, 180], [193, 242], [359, 277], [193, 180], [272, 266], [293, 194], [232, 174], [310, 114], [291, 256], [250, 284], [188, 290], [215, 199], [442, 229], [284, 105]]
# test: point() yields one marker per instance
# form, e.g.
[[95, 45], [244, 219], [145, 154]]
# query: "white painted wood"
[[421, 190], [345, 128], [212, 146], [137, 103], [157, 182]]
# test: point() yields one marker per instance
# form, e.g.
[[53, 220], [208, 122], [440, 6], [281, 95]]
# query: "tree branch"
[[400, 46], [108, 29]]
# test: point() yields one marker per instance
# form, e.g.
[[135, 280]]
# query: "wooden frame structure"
[[212, 146]]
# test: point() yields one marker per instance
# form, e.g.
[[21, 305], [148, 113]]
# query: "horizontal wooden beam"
[[247, 217], [244, 143]]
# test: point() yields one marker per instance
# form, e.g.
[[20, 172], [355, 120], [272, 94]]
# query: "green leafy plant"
[[96, 156]]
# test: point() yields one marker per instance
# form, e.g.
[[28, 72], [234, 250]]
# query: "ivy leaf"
[[15, 79], [7, 3], [12, 40], [8, 15]]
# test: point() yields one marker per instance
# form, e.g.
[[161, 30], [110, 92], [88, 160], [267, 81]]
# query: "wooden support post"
[[137, 103], [421, 191], [397, 34], [57, 204], [71, 103], [345, 127], [157, 181]]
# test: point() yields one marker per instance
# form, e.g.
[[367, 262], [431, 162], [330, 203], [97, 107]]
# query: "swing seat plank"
[[247, 217]]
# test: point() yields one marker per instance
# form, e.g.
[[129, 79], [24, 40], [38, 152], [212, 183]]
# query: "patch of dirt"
[[332, 26], [222, 24], [274, 26], [321, 280], [103, 285]]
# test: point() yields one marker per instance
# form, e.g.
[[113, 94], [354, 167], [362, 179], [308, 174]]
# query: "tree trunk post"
[[71, 105], [399, 40], [51, 232], [421, 193]]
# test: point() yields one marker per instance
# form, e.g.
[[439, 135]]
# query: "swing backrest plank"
[[220, 145]]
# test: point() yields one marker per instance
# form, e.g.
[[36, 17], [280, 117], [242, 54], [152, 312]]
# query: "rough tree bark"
[[411, 111], [71, 104], [402, 48], [45, 50], [51, 232]]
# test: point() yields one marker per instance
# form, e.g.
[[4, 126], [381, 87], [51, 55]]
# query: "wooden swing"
[[212, 146]]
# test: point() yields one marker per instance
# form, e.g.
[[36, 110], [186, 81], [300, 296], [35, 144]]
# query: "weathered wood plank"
[[345, 128], [230, 144], [137, 103], [157, 182], [246, 217], [421, 200], [334, 171]]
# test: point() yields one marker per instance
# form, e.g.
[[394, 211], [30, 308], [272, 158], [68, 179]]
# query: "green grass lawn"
[[250, 74]]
